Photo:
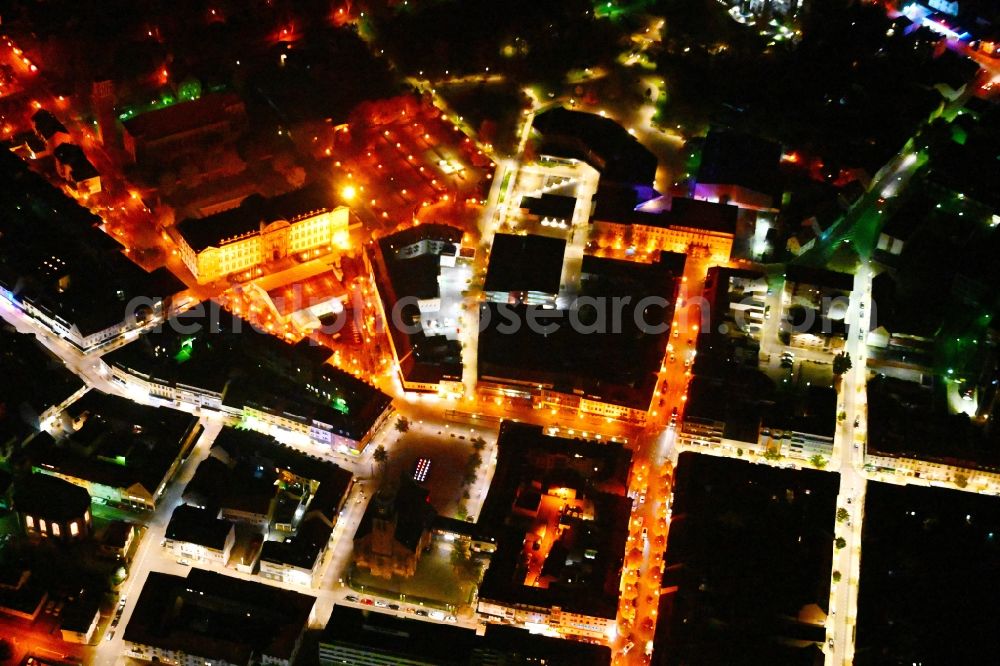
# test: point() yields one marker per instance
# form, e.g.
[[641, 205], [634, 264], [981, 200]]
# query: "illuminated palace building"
[[304, 222]]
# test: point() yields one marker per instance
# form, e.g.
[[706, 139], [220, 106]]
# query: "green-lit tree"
[[841, 363]]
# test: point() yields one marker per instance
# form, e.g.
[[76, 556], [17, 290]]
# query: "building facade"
[[668, 238], [550, 620], [273, 241]]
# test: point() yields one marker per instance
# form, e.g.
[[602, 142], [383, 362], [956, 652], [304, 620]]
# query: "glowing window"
[[74, 529]]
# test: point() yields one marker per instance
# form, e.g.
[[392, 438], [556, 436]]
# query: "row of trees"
[[471, 473]]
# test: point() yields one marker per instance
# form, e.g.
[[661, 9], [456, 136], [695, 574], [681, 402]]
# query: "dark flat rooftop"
[[228, 355], [550, 205], [218, 617], [198, 526], [525, 263], [614, 365]]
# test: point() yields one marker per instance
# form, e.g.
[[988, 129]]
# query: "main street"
[[849, 461], [654, 458]]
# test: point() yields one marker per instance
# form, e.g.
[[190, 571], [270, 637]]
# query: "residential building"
[[198, 535], [73, 166], [48, 128], [738, 407], [27, 145], [593, 360], [354, 636], [51, 508], [20, 595], [228, 366], [79, 620], [119, 451], [599, 141], [560, 512], [298, 558], [210, 618], [117, 540], [305, 496], [814, 303], [260, 231]]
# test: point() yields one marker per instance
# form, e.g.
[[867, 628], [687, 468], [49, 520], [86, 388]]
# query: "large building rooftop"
[[199, 526], [252, 213], [246, 450], [599, 141], [593, 360], [622, 206], [53, 254], [218, 617], [119, 444], [251, 368], [525, 263], [352, 632], [44, 496], [582, 571], [403, 272]]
